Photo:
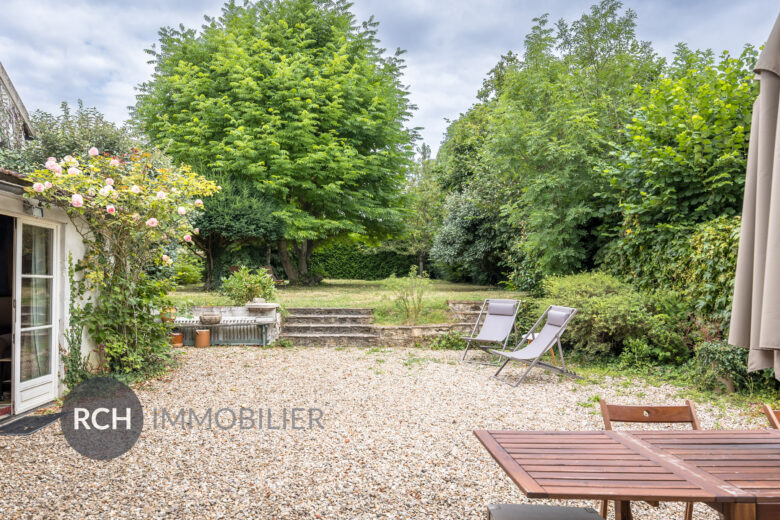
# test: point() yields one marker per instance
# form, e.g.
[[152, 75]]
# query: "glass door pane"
[[36, 302], [36, 250], [35, 353], [36, 324]]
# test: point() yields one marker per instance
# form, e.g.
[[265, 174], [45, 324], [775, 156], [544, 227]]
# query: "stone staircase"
[[465, 311], [329, 326]]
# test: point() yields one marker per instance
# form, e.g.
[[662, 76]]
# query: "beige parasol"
[[755, 316]]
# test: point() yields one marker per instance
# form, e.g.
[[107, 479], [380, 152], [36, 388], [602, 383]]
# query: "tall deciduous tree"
[[295, 98]]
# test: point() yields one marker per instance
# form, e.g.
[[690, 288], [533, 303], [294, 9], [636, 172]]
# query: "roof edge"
[[9, 86]]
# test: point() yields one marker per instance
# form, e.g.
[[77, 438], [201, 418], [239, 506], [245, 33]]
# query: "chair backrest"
[[649, 414], [557, 319], [499, 319], [773, 416]]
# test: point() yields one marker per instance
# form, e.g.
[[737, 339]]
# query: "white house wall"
[[70, 243]]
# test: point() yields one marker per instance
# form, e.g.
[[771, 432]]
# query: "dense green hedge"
[[696, 261], [356, 262]]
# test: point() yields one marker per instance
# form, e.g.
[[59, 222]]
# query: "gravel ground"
[[397, 441]]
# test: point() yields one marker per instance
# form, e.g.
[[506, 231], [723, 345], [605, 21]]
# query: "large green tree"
[[542, 130], [684, 154], [296, 99]]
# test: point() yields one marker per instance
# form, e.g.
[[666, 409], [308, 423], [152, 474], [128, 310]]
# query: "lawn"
[[359, 293]]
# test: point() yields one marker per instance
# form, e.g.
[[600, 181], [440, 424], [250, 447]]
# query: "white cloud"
[[94, 50]]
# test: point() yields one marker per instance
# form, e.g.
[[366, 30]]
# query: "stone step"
[[294, 319], [327, 328], [343, 311], [330, 340], [464, 305]]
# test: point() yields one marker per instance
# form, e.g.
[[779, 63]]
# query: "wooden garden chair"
[[773, 416], [649, 414]]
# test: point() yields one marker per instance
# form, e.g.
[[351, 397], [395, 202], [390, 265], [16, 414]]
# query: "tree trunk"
[[289, 267], [303, 268], [420, 259]]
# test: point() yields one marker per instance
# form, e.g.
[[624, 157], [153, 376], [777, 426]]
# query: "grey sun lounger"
[[557, 319], [498, 325]]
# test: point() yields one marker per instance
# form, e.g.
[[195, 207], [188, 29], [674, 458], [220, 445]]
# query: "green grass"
[[683, 379], [359, 293]]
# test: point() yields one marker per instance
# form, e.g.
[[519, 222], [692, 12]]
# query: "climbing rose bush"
[[129, 212]]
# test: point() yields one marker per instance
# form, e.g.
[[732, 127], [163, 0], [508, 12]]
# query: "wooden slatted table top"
[[651, 465]]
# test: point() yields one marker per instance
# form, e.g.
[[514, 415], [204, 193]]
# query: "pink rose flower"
[[76, 200], [181, 210], [198, 202], [93, 151], [113, 163], [74, 171], [152, 222], [136, 217], [165, 258], [38, 187], [110, 209], [47, 185], [109, 181], [51, 165], [135, 189], [196, 231], [115, 195], [187, 238], [51, 159], [68, 158], [105, 191], [161, 195]]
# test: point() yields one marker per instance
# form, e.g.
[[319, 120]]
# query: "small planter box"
[[239, 325]]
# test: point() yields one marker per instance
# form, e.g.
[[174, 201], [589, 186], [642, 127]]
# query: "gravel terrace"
[[397, 441]]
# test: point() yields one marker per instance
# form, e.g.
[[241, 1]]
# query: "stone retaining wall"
[[409, 335]]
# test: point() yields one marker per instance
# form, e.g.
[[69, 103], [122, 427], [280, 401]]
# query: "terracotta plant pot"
[[168, 315], [202, 338], [177, 339]]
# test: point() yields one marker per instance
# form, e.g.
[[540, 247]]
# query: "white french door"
[[35, 311]]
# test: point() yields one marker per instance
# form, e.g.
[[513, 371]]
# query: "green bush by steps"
[[612, 316], [353, 261]]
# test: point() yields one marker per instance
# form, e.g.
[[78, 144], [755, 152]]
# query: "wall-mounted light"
[[32, 209]]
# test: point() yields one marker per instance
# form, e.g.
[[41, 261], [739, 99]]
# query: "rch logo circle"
[[102, 418]]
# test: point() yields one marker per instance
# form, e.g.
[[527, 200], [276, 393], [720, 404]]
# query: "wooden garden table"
[[735, 472]]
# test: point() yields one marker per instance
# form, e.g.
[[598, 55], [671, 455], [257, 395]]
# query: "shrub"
[[188, 269], [724, 367], [352, 261], [408, 292], [243, 285], [613, 316]]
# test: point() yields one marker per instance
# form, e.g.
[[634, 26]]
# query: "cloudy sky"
[[57, 50]]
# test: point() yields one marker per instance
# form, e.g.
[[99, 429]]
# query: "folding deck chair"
[[557, 319], [498, 326]]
